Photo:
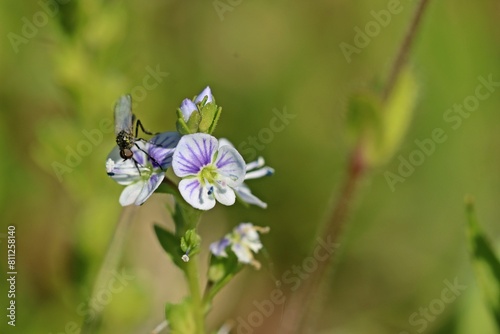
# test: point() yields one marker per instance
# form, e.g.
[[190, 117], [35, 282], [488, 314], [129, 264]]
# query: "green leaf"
[[190, 242], [396, 114], [209, 112], [180, 317], [171, 244], [485, 262], [220, 272], [191, 126], [364, 117], [215, 121]]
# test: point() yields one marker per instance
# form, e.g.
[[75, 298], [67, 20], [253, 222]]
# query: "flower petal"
[[245, 194], [230, 165], [249, 236], [243, 253], [187, 107], [122, 171], [130, 193], [224, 195], [260, 162], [256, 174], [206, 92], [149, 188], [218, 248], [224, 142], [193, 153], [196, 195], [162, 148]]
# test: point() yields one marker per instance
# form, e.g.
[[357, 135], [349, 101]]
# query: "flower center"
[[208, 174]]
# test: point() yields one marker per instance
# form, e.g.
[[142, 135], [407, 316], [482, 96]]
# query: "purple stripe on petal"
[[139, 156], [189, 166], [198, 156], [192, 186], [224, 160]]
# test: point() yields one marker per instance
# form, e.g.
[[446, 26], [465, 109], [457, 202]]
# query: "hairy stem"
[[193, 277]]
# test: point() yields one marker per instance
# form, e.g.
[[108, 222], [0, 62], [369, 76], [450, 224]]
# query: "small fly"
[[124, 128]]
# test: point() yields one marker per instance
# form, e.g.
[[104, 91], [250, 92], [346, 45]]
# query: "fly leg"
[[149, 156], [139, 125]]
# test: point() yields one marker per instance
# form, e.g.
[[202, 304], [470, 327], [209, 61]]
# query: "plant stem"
[[297, 319], [110, 263], [405, 48], [193, 275]]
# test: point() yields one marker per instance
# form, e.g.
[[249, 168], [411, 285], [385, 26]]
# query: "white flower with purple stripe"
[[254, 170], [244, 241], [188, 106], [208, 173], [144, 172]]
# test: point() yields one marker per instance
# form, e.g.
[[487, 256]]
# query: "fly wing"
[[123, 114]]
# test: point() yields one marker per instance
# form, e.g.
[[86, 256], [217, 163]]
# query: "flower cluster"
[[210, 170], [244, 241], [206, 170]]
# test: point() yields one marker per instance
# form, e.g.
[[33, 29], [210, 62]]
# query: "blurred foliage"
[[485, 261], [57, 96]]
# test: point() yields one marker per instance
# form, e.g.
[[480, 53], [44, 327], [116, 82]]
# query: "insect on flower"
[[124, 128]]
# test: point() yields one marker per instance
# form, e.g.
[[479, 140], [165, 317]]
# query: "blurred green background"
[[65, 73]]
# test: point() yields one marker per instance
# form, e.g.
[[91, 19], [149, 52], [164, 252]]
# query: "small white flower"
[[143, 173], [244, 241], [254, 170], [208, 174]]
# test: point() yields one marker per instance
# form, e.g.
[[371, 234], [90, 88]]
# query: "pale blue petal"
[[130, 193], [224, 142], [249, 236], [243, 254], [124, 172], [149, 188], [196, 195], [244, 194], [260, 162], [193, 153], [218, 248], [187, 107], [206, 92], [256, 174], [224, 195], [230, 166], [162, 147]]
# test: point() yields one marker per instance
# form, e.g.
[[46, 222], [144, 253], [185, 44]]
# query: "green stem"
[[193, 278], [404, 49], [110, 263], [212, 290]]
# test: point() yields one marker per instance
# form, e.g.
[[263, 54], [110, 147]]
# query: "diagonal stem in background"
[[110, 263], [303, 308]]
